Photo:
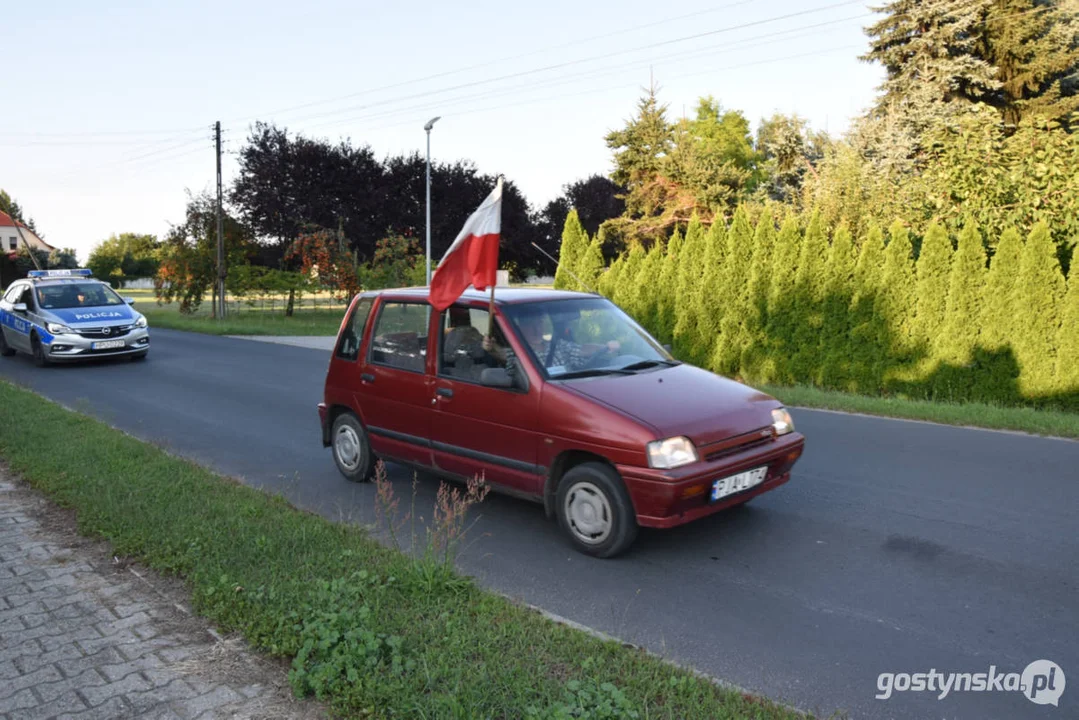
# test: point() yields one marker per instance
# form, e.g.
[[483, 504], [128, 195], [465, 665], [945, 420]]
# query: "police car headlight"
[[58, 329], [141, 322]]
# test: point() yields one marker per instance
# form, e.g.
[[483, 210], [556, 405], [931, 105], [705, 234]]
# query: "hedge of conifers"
[[928, 316]]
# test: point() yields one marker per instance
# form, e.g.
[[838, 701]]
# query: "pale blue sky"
[[108, 105]]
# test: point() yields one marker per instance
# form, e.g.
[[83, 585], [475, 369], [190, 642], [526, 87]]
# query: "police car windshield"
[[62, 296]]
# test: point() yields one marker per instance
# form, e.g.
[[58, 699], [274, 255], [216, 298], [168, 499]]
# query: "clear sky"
[[108, 106]]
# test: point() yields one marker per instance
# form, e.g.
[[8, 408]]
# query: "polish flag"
[[473, 257]]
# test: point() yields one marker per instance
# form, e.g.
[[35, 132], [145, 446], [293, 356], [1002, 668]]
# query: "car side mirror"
[[19, 307], [129, 300], [496, 377]]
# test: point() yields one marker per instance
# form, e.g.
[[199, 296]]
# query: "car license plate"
[[737, 483], [108, 344]]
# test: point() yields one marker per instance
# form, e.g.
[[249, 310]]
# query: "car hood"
[[684, 400], [116, 315]]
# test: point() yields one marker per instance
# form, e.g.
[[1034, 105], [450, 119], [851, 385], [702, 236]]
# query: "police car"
[[67, 315]]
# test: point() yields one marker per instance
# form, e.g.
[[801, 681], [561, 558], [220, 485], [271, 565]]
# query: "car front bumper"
[[668, 498], [71, 347]]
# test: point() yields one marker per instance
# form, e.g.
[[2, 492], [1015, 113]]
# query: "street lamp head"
[[431, 123]]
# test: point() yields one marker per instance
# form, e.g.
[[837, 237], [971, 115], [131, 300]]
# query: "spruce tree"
[[809, 291], [691, 265], [998, 380], [864, 349], [707, 308], [590, 264], [1067, 374], [760, 277], [1039, 291], [959, 337], [574, 245], [733, 296], [667, 293], [782, 315], [932, 269], [897, 300]]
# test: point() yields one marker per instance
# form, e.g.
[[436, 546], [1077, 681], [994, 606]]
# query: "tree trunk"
[[291, 302]]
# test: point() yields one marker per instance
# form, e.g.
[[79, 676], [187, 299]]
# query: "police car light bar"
[[81, 272]]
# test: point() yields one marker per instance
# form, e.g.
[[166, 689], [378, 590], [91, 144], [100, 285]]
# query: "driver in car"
[[568, 354]]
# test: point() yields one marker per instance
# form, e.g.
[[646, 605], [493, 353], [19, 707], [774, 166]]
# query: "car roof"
[[503, 295]]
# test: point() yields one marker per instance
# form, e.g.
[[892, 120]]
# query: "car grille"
[[115, 331], [748, 441]]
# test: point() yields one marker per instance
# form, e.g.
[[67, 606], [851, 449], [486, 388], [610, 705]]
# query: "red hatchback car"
[[563, 399]]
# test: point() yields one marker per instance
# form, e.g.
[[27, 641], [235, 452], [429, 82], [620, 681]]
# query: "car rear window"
[[348, 346], [400, 339]]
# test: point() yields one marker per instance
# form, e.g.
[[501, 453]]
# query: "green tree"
[[933, 268], [997, 381], [574, 246], [590, 264], [645, 303], [639, 152], [1067, 374], [897, 299], [608, 281], [782, 320], [1039, 292], [125, 255], [625, 292], [959, 334], [707, 307], [668, 290], [864, 348], [732, 297], [1034, 46], [691, 266], [810, 284], [754, 351], [12, 208]]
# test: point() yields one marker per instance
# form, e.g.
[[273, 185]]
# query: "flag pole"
[[491, 306]]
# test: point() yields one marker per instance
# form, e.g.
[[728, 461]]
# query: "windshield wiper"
[[645, 364], [592, 372]]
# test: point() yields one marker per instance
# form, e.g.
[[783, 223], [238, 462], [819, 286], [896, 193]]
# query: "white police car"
[[66, 315]]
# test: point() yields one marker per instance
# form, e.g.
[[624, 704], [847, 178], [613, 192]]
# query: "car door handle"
[[367, 378], [444, 392]]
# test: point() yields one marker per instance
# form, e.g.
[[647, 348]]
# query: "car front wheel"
[[595, 511], [351, 450], [41, 359]]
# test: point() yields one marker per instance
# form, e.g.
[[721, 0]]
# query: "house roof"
[[6, 221]]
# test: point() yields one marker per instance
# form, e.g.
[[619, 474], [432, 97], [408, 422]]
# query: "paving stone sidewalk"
[[83, 635]]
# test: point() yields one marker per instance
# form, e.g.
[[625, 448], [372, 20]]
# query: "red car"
[[563, 400]]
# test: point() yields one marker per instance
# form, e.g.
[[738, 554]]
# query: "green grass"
[[370, 630], [319, 315], [1030, 420]]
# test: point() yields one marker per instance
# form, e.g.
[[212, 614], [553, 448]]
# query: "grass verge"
[[1030, 420], [368, 629], [250, 322]]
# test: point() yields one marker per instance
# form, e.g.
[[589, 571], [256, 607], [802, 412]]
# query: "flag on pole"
[[473, 257]]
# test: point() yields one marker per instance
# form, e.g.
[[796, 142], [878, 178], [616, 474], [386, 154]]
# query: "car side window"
[[27, 297], [13, 293], [400, 339], [348, 348], [461, 352]]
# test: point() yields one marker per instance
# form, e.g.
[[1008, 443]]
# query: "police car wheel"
[[5, 349], [40, 358], [351, 450]]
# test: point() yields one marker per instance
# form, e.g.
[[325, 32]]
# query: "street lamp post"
[[430, 124]]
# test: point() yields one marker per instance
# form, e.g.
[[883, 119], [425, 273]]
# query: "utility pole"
[[220, 227], [430, 124], [29, 250]]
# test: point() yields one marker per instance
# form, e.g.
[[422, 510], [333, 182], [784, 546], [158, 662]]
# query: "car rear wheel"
[[5, 349], [40, 358], [351, 449], [595, 511]]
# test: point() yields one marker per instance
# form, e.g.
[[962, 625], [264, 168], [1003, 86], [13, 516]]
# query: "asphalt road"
[[897, 547]]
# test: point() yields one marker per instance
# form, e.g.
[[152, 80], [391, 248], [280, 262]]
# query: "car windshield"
[[584, 337], [76, 295]]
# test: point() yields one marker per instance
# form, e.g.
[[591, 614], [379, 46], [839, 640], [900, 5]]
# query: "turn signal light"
[[693, 491]]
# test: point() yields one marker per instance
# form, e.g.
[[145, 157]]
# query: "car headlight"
[[671, 453], [58, 329], [782, 422], [141, 322]]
